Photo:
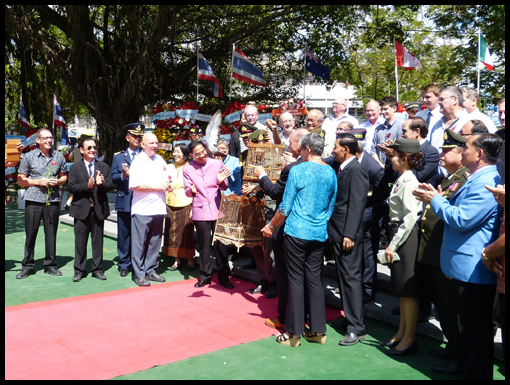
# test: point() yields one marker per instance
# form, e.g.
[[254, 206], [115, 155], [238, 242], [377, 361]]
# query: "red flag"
[[405, 58]]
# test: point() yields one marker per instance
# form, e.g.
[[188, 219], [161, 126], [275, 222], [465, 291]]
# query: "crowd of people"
[[428, 189]]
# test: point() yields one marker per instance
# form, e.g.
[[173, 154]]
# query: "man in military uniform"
[[430, 246], [120, 176]]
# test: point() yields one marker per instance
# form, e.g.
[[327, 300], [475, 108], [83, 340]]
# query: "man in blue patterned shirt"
[[41, 171]]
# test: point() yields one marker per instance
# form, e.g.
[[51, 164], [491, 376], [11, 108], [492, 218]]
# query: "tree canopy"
[[112, 60]]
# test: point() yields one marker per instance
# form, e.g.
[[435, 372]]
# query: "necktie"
[[428, 119], [133, 156], [90, 170]]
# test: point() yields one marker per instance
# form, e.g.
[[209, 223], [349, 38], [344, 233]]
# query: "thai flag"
[[58, 119], [205, 72], [244, 70], [22, 115]]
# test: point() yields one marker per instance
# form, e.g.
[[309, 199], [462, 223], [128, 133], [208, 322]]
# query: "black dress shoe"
[[448, 368], [201, 283], [77, 277], [24, 273], [124, 272], [272, 292], [389, 344], [155, 277], [142, 281], [99, 275], [408, 351], [53, 271], [351, 339], [227, 285]]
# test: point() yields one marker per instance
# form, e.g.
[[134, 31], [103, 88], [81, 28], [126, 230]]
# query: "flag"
[[314, 66], [58, 119], [205, 72], [22, 115], [244, 70], [405, 58], [485, 55]]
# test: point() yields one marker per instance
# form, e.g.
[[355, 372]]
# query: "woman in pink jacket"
[[204, 179]]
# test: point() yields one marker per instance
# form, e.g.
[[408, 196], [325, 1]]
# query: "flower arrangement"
[[401, 108]]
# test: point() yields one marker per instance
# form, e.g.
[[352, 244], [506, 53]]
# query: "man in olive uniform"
[[430, 246]]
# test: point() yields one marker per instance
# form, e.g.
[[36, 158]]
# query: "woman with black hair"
[[179, 235], [404, 212]]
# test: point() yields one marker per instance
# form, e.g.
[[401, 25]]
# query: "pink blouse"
[[206, 202]]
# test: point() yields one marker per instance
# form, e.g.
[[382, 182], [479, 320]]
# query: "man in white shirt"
[[373, 113], [331, 123], [471, 98], [432, 114], [288, 126], [251, 115], [149, 181], [451, 106]]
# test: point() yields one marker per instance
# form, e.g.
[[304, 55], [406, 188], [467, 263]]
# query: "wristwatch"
[[271, 226]]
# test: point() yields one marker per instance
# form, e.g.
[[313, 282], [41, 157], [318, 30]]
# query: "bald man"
[[330, 125], [148, 179]]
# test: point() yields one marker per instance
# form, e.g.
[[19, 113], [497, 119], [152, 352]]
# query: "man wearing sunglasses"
[[89, 181]]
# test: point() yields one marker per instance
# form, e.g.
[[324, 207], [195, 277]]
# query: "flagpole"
[[396, 73], [231, 69], [478, 62], [304, 77], [198, 68]]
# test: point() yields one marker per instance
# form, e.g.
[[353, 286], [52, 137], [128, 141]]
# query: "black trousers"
[[280, 267], [33, 213], [304, 261], [475, 316], [205, 232], [82, 228], [348, 267]]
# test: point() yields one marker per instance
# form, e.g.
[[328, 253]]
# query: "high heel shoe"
[[408, 351], [314, 337], [389, 344], [286, 339]]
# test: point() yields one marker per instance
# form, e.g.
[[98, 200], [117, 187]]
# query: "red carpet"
[[101, 336]]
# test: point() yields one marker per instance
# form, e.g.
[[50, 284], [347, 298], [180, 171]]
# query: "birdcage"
[[240, 221], [267, 155]]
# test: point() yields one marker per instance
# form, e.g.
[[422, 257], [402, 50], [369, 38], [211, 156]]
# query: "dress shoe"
[[124, 272], [202, 283], [272, 291], [274, 323], [408, 351], [155, 277], [53, 271], [142, 281], [389, 344], [190, 267], [99, 275], [175, 266], [351, 339], [260, 289], [77, 277], [227, 285], [24, 273], [448, 368]]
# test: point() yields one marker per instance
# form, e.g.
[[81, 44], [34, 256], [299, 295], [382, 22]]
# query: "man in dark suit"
[[89, 180], [346, 234], [120, 176], [275, 191]]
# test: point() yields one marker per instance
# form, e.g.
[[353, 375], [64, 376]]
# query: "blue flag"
[[314, 66]]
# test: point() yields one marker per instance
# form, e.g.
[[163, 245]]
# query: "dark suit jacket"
[[379, 191], [351, 199], [124, 194], [78, 185], [275, 191]]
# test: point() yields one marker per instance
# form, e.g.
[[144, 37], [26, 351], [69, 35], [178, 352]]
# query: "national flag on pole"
[[485, 55], [244, 70], [22, 115], [314, 66], [405, 58], [205, 72], [58, 119]]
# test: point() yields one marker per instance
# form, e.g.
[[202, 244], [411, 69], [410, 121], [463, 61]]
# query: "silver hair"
[[470, 93], [314, 141], [456, 92], [222, 141]]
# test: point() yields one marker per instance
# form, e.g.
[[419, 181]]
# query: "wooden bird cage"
[[240, 221], [267, 155]]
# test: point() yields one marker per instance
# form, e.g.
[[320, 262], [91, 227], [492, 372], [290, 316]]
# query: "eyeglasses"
[[440, 100], [91, 148], [46, 138]]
